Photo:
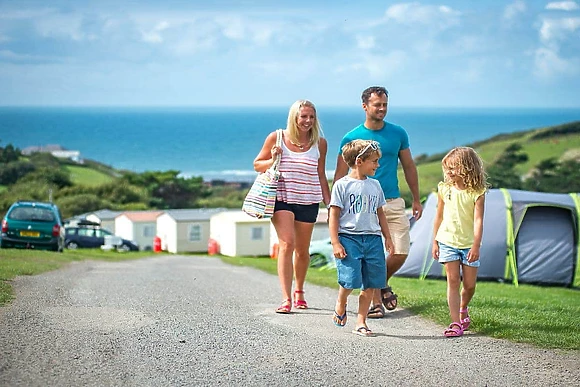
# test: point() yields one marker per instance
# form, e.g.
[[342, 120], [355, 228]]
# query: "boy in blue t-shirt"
[[356, 223]]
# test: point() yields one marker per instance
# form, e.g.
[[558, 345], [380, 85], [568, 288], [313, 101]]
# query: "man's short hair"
[[378, 90]]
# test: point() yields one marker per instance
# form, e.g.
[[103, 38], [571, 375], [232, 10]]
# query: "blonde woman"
[[301, 188]]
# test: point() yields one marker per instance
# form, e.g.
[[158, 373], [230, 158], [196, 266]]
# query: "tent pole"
[[576, 200], [510, 240]]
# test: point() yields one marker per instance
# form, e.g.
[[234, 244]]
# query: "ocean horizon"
[[221, 143]]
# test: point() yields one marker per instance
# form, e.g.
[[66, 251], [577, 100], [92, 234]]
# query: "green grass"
[[546, 317], [14, 262], [87, 176]]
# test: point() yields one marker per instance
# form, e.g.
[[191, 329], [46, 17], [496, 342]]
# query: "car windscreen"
[[32, 214]]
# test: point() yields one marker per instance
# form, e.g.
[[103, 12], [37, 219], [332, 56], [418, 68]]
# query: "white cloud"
[[548, 64], [233, 28], [62, 26], [154, 35], [511, 11], [563, 6], [558, 29], [415, 13], [377, 66], [365, 42]]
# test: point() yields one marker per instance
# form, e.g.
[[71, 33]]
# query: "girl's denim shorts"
[[450, 254]]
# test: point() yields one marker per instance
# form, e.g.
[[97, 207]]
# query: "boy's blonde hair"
[[292, 126], [467, 164], [359, 149]]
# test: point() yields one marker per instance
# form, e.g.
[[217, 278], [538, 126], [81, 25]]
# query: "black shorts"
[[306, 213]]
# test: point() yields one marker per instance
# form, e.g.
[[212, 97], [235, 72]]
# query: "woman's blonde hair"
[[359, 149], [465, 163], [292, 126]]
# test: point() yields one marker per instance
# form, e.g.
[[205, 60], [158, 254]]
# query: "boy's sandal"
[[390, 302], [454, 332], [376, 311], [363, 331], [339, 320], [299, 304], [465, 322], [285, 307]]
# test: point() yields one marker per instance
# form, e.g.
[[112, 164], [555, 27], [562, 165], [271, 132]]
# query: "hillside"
[[561, 142]]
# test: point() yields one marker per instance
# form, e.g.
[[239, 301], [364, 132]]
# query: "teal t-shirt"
[[392, 139]]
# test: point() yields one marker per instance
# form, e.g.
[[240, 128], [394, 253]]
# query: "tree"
[[55, 176], [502, 173], [168, 190], [12, 171], [551, 175], [9, 154]]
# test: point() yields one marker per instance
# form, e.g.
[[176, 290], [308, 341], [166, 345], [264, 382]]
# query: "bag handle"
[[278, 144]]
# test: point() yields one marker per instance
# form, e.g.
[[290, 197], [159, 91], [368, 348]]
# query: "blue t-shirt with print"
[[392, 139]]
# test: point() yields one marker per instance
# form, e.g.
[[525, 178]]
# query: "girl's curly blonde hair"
[[467, 164]]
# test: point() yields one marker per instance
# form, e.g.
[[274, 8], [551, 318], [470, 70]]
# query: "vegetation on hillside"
[[546, 160]]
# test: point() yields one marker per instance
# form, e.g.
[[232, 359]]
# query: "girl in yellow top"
[[458, 229]]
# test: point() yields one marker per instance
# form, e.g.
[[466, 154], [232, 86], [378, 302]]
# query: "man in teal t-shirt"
[[394, 143]]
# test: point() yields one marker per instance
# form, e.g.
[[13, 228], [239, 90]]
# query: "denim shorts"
[[306, 213], [450, 254], [364, 266]]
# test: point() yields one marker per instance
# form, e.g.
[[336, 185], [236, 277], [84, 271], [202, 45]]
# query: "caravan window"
[[148, 231], [194, 233], [257, 233]]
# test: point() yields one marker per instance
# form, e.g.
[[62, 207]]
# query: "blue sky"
[[446, 53]]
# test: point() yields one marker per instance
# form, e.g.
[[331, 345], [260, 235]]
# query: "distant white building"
[[138, 226], [238, 234], [185, 230], [56, 150], [68, 154]]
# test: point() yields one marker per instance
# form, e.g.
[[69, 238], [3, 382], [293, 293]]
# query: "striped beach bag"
[[260, 200]]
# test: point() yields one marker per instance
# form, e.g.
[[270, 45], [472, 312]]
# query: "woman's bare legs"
[[283, 222], [453, 284], [302, 236]]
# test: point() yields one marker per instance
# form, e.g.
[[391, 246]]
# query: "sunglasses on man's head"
[[372, 145]]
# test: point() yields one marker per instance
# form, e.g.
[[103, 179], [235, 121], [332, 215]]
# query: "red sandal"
[[465, 322], [299, 304], [454, 330], [285, 307]]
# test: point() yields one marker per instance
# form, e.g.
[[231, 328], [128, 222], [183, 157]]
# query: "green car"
[[33, 225]]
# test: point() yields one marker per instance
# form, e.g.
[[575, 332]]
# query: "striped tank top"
[[299, 182]]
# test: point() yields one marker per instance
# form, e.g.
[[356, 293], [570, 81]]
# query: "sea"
[[220, 143]]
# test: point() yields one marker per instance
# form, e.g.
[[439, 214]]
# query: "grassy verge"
[[546, 317], [14, 262]]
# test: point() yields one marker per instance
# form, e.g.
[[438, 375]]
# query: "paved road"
[[195, 321]]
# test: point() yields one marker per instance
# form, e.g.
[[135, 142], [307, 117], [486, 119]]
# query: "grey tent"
[[528, 237]]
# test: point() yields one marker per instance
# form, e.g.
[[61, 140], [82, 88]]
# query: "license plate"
[[34, 234]]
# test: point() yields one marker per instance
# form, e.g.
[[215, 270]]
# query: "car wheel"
[[318, 260], [72, 245], [124, 248]]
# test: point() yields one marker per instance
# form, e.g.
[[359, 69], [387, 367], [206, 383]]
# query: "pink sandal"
[[453, 332], [285, 307], [465, 322], [299, 304]]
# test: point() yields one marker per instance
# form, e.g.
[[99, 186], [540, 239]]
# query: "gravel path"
[[168, 321]]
